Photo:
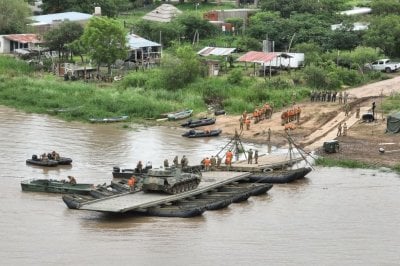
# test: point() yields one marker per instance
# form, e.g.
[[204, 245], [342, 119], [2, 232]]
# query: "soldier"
[[344, 129], [166, 163], [139, 167], [312, 96], [71, 180], [184, 161], [329, 96], [345, 96], [298, 112], [176, 161], [213, 162], [339, 132], [318, 96], [340, 97], [241, 122], [269, 135], [334, 96], [219, 161], [248, 123], [250, 156], [358, 112], [256, 156], [373, 109], [346, 109], [207, 164]]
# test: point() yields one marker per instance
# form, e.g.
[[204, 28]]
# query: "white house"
[[14, 42], [41, 24]]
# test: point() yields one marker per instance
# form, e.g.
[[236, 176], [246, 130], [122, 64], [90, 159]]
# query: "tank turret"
[[170, 180]]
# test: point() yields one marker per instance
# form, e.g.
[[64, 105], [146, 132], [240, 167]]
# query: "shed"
[[142, 51], [163, 13], [214, 65], [393, 123]]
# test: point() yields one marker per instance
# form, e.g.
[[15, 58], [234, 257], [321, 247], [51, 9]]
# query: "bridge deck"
[[273, 161], [141, 200]]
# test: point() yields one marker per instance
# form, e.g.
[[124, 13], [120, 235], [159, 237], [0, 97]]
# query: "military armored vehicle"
[[170, 180]]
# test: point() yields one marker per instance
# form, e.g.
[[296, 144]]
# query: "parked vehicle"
[[384, 65]]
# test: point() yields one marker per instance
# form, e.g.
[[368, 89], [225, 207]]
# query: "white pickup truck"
[[384, 65]]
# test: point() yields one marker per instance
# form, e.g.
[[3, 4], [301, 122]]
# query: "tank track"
[[182, 186]]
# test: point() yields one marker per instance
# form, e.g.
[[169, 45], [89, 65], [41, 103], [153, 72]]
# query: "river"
[[334, 216]]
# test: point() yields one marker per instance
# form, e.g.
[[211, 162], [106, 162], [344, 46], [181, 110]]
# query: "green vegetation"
[[328, 162], [13, 16], [345, 163]]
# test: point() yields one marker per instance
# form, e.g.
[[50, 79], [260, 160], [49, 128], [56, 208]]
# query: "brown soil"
[[318, 123]]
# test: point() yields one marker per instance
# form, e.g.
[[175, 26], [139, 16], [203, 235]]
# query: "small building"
[[272, 61], [73, 71], [43, 23], [12, 43], [163, 13], [222, 15], [143, 52], [213, 65], [357, 26]]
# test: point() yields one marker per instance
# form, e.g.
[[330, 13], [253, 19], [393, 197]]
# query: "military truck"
[[170, 180]]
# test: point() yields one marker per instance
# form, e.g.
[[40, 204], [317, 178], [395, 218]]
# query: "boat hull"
[[55, 186], [202, 134], [280, 177]]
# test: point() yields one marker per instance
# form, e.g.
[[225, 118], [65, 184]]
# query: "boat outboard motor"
[[116, 169]]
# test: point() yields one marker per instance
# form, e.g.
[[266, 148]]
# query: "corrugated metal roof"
[[163, 13], [50, 18], [257, 57], [137, 42], [206, 51], [23, 38]]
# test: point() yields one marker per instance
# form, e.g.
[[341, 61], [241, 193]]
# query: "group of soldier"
[[291, 115], [261, 113], [250, 156], [50, 156], [184, 161], [329, 96]]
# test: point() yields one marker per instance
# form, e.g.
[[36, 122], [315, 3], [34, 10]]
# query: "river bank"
[[319, 122]]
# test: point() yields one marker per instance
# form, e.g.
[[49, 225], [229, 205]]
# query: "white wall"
[[4, 45]]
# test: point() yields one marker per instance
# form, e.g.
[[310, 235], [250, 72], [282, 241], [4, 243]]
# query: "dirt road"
[[319, 121]]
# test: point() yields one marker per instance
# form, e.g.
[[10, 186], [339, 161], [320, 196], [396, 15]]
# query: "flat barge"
[[217, 189]]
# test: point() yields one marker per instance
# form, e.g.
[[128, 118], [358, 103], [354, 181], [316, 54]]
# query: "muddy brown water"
[[333, 217]]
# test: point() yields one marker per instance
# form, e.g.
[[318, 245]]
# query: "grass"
[[345, 163]]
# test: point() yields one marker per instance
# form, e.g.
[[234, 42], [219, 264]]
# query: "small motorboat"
[[199, 122], [109, 119], [55, 186], [202, 133], [180, 115]]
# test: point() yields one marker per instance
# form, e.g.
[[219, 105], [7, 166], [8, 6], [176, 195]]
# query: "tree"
[[180, 69], [58, 37], [288, 7], [13, 16], [385, 7], [105, 41], [384, 32]]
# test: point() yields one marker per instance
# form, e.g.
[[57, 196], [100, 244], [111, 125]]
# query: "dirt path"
[[319, 121]]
